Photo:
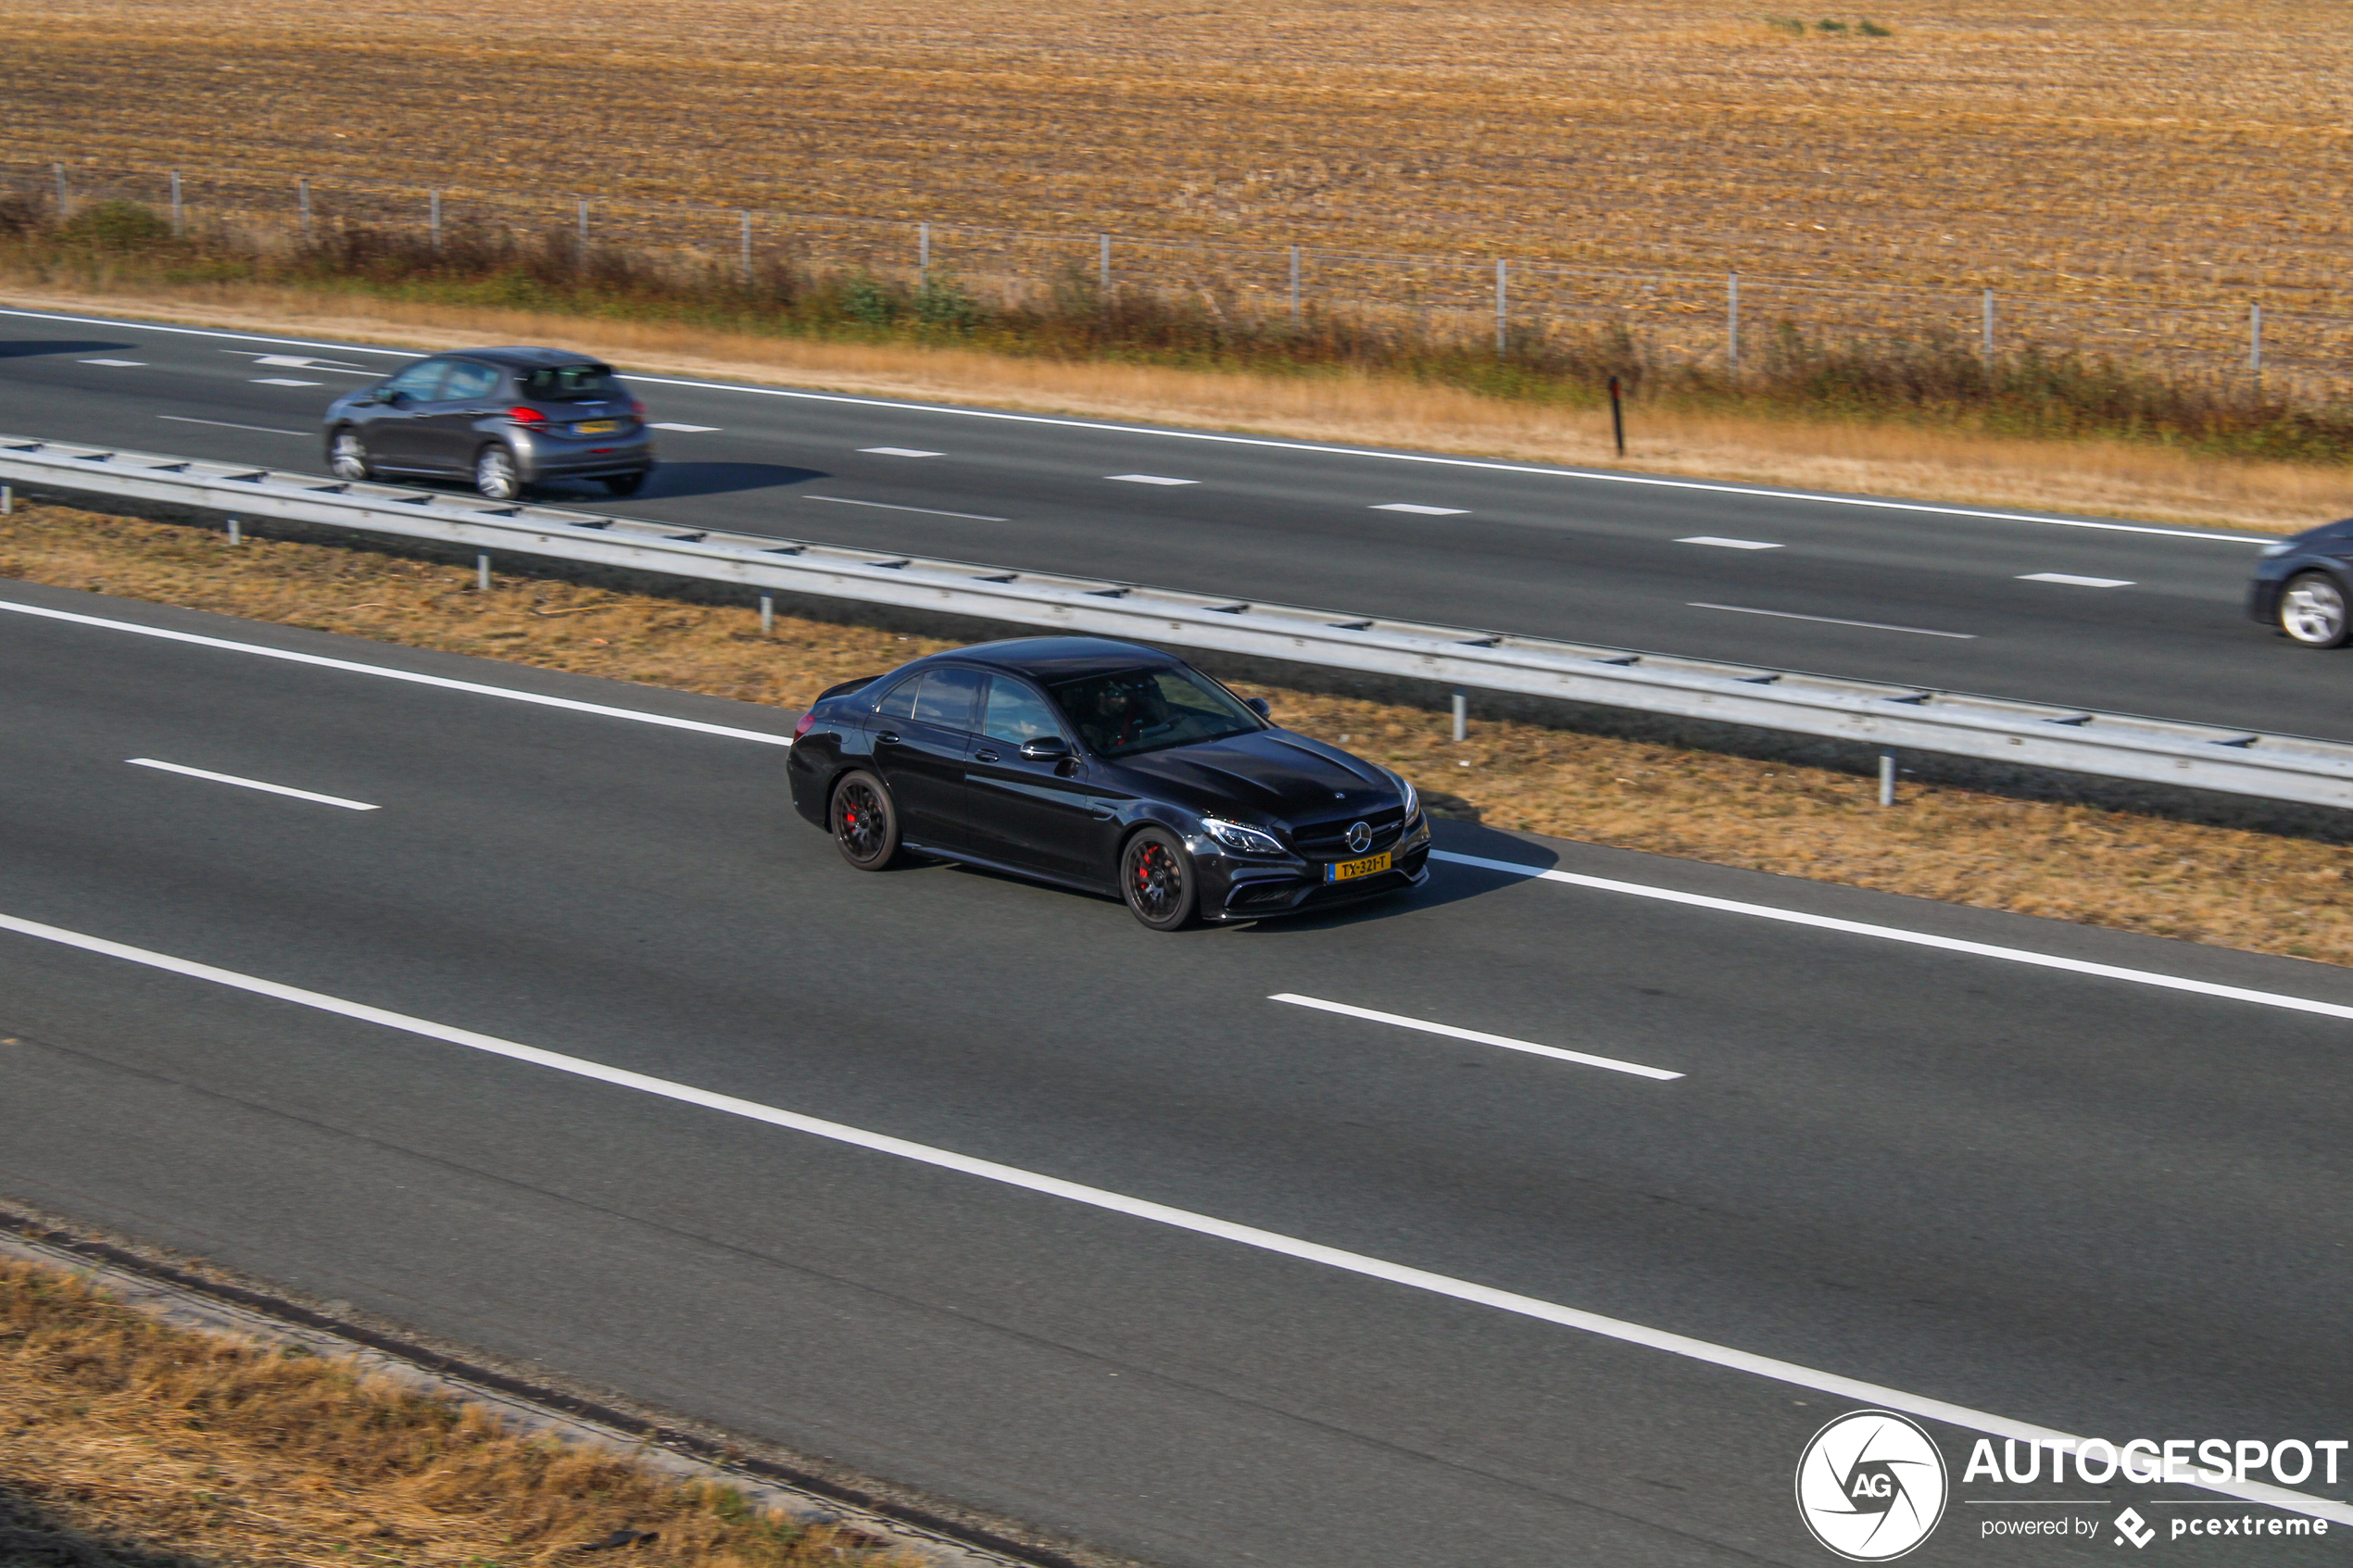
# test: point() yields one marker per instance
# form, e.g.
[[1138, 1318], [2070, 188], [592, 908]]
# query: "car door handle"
[[984, 757], [887, 738], [1101, 809]]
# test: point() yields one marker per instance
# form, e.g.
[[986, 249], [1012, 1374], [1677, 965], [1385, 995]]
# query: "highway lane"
[[2058, 1198], [1894, 591]]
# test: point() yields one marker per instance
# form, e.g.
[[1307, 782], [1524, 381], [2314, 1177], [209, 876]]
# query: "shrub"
[[116, 225]]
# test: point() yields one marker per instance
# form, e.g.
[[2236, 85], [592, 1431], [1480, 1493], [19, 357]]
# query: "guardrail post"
[[482, 572], [1887, 778], [1462, 714], [236, 532], [767, 615], [7, 499]]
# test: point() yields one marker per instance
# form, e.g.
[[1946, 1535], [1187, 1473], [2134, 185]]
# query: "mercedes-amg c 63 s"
[[1104, 766]]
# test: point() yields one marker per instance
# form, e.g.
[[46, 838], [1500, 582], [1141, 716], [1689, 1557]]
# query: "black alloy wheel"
[[2312, 610], [348, 457], [1156, 878], [866, 826]]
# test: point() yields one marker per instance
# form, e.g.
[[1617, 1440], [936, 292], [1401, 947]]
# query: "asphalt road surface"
[[1093, 1229], [2110, 616]]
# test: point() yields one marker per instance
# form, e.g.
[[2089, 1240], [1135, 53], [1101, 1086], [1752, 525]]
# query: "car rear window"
[[572, 383]]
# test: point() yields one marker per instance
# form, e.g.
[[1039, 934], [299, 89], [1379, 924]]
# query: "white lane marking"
[[1833, 1383], [355, 668], [1649, 481], [119, 364], [1915, 938], [683, 429], [282, 381], [1150, 479], [1421, 511], [224, 424], [1831, 621], [887, 507], [253, 784], [302, 362], [2072, 581], [1474, 1036], [1728, 544], [900, 452]]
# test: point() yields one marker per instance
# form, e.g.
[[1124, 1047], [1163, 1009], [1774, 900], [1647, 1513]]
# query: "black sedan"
[[1108, 767], [2303, 584], [507, 419]]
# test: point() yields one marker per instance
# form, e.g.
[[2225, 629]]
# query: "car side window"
[[420, 382], [947, 698], [468, 381], [1014, 713], [900, 702]]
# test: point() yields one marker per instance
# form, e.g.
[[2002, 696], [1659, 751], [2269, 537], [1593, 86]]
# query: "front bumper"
[[1237, 887]]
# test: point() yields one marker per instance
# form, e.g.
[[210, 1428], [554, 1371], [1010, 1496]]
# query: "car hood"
[[1265, 773]]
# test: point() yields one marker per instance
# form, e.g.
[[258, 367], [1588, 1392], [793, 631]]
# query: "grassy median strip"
[[126, 1443], [2220, 886]]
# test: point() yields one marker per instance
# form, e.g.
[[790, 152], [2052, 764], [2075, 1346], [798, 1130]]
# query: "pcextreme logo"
[[1871, 1485]]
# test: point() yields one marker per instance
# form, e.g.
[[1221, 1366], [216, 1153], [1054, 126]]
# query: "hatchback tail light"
[[524, 416], [637, 408], [806, 720]]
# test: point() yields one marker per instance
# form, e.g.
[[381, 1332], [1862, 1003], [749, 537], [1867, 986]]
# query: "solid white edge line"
[[442, 681], [1897, 934], [1721, 543], [1158, 1214], [1505, 1041], [251, 784], [1831, 621], [893, 506], [1649, 480], [225, 424]]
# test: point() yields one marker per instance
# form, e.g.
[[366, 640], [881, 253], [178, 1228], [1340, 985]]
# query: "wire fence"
[[1717, 320]]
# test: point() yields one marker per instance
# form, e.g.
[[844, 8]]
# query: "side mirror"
[[395, 399], [1259, 706], [1045, 748]]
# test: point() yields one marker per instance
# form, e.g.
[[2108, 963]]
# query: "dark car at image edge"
[[1107, 767], [507, 420], [2303, 585]]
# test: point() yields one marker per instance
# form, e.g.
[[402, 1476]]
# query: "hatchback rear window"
[[572, 383]]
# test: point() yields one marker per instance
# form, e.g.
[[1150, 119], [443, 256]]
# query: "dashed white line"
[[1728, 544], [887, 507], [119, 364], [683, 429], [2070, 579], [1421, 511], [253, 784], [900, 452], [1474, 1036], [1836, 1384], [1833, 620], [282, 381], [224, 424], [1149, 479]]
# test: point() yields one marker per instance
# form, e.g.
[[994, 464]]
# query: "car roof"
[[1059, 658], [521, 357]]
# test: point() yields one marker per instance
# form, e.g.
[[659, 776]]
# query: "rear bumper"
[[539, 455]]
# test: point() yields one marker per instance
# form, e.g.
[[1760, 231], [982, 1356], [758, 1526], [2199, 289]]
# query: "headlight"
[[2277, 549], [1247, 840], [1412, 800]]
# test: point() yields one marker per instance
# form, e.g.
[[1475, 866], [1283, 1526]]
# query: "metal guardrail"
[[2029, 735]]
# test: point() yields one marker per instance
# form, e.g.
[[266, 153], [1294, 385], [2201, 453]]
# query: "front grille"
[[1328, 840]]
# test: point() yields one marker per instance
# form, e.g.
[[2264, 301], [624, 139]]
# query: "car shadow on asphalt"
[[1450, 882], [670, 480], [31, 347]]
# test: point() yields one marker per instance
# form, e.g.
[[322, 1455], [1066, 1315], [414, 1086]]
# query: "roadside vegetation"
[[2221, 885], [127, 1443]]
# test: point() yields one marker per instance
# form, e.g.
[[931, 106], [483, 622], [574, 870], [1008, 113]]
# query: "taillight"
[[526, 416], [637, 408], [806, 719]]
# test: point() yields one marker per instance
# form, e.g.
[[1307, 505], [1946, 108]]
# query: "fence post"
[[923, 256], [1102, 268], [179, 223], [1616, 417], [746, 218], [1294, 285], [584, 234], [1988, 329], [432, 216], [1732, 324], [302, 190], [2255, 338], [61, 191], [1502, 310]]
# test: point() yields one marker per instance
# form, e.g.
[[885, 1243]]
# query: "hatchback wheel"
[[348, 457], [496, 475], [1156, 878], [865, 825], [2312, 611]]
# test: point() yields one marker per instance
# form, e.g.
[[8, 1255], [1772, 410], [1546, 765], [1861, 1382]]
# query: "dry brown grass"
[[2101, 477], [2195, 149], [2218, 886], [155, 1440]]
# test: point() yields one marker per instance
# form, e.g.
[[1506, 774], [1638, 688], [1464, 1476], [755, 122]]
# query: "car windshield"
[[572, 383], [1151, 709]]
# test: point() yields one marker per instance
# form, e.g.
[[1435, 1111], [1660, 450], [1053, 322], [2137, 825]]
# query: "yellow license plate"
[[1349, 870], [598, 427]]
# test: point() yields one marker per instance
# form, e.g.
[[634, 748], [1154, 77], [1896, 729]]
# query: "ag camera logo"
[[1871, 1485]]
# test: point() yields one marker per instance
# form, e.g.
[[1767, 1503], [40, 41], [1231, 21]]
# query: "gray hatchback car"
[[507, 419]]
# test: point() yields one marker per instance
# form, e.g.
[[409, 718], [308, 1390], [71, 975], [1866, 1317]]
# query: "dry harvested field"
[[2193, 150], [2221, 885]]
